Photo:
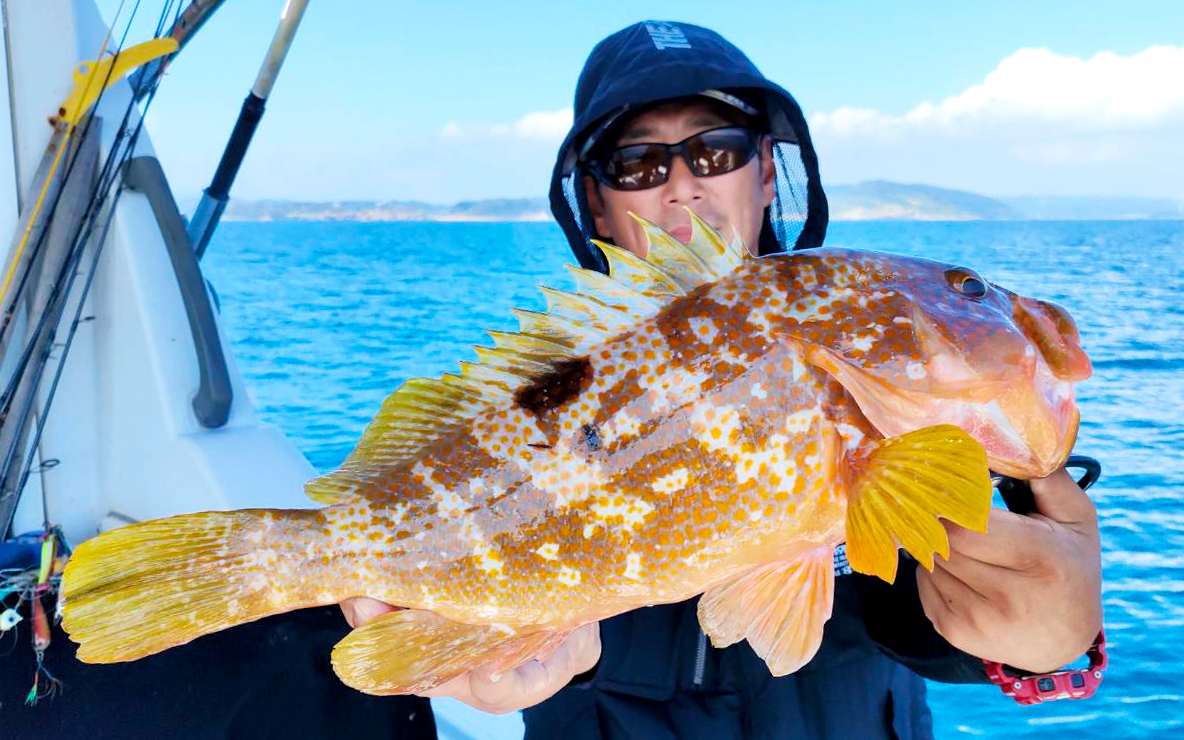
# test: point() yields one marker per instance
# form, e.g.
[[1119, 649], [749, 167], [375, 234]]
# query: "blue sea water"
[[328, 318]]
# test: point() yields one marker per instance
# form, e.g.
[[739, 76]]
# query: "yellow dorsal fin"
[[531, 346], [638, 274], [584, 309], [559, 329], [614, 294], [424, 411], [706, 258]]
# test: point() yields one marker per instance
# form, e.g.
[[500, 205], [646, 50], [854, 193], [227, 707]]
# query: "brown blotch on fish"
[[557, 387]]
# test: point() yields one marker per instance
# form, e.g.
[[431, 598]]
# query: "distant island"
[[877, 200], [497, 209]]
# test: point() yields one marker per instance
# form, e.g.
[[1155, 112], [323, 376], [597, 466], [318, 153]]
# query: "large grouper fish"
[[696, 422]]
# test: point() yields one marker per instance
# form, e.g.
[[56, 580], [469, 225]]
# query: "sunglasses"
[[708, 153]]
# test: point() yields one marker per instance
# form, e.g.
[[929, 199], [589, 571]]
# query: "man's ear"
[[595, 207], [768, 171]]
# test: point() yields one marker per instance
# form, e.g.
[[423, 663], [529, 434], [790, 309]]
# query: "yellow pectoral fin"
[[780, 608], [411, 651], [897, 489]]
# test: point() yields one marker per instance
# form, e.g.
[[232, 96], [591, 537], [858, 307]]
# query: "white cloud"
[[1109, 124], [545, 126], [1037, 87]]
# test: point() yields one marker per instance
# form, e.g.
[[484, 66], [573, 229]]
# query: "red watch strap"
[[1078, 683]]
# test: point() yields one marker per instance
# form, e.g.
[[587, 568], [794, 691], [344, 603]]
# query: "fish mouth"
[[1027, 429]]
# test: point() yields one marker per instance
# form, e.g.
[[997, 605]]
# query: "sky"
[[445, 101]]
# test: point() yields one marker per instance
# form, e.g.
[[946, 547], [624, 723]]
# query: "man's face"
[[732, 202]]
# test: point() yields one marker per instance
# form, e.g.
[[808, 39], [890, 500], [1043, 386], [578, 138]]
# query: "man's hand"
[[1027, 593], [524, 686]]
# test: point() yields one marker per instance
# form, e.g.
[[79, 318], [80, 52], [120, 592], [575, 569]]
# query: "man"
[[669, 116]]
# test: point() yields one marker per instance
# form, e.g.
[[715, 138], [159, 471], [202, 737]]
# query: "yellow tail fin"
[[147, 587], [897, 489], [411, 651]]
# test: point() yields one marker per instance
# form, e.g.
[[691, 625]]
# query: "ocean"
[[328, 318]]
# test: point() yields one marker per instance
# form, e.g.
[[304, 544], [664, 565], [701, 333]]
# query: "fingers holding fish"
[[360, 609], [1027, 593], [1059, 498]]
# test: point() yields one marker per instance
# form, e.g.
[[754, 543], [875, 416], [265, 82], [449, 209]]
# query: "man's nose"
[[682, 186]]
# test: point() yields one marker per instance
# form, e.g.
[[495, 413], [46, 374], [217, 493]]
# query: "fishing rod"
[[217, 195], [185, 27], [91, 82]]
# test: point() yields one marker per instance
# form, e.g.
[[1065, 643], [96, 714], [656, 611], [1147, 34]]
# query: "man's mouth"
[[681, 233]]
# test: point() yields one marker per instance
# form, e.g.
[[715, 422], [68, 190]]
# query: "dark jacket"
[[266, 680]]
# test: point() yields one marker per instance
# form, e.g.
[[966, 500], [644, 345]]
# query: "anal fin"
[[410, 651], [898, 488], [780, 608]]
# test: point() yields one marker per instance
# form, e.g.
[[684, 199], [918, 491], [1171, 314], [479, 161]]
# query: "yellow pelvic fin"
[[898, 487], [780, 608], [147, 587], [411, 651], [424, 411]]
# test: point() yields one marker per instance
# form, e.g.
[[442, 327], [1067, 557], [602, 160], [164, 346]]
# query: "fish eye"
[[965, 282]]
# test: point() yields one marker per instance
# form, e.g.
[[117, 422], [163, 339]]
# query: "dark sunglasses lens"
[[720, 151], [637, 167]]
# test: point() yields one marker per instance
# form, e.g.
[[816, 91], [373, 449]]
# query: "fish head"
[[917, 342]]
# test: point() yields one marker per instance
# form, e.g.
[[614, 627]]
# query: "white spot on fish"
[[673, 481], [715, 426], [630, 508], [568, 479], [774, 460], [428, 598], [758, 392], [705, 329], [851, 436], [448, 502], [549, 551], [489, 561], [398, 513], [915, 370], [801, 421], [863, 343], [901, 320], [568, 576], [633, 566], [800, 369], [489, 611], [621, 425]]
